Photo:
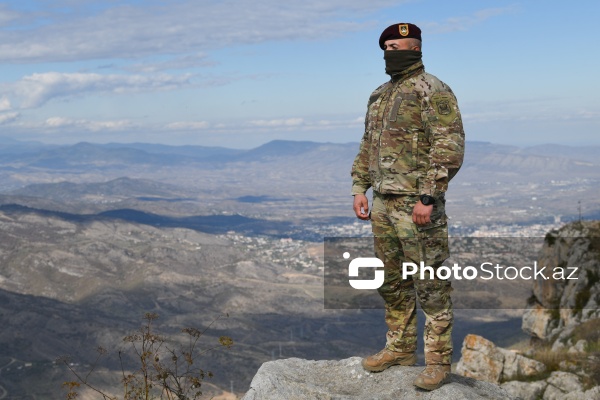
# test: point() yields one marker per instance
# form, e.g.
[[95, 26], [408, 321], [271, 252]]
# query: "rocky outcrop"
[[563, 319], [526, 390], [481, 359], [565, 301], [296, 379], [560, 386]]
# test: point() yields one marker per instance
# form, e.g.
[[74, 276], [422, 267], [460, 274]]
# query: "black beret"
[[403, 30]]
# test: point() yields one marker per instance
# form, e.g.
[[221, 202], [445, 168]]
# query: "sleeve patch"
[[444, 106]]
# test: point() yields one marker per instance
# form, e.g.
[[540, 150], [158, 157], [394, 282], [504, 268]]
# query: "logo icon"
[[365, 262]]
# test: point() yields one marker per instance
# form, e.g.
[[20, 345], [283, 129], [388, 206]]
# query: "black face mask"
[[397, 61]]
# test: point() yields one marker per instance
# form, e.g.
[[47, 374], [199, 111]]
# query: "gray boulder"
[[559, 303], [560, 384], [592, 394], [296, 379], [481, 359], [525, 390]]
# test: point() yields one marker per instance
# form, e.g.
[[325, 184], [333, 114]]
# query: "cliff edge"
[[562, 360], [297, 379]]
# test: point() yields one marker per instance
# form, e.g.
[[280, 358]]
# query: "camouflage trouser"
[[398, 239]]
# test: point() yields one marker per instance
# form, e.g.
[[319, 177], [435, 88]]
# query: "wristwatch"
[[427, 199]]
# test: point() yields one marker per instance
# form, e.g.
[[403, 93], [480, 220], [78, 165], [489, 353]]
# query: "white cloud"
[[588, 114], [188, 125], [8, 16], [5, 104], [69, 125], [278, 122], [6, 118], [83, 124], [338, 123], [274, 125], [295, 123], [127, 31], [183, 62], [37, 89]]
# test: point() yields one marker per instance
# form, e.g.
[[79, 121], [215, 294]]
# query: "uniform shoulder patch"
[[444, 106]]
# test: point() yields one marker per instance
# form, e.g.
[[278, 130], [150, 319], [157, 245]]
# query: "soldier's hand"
[[361, 206], [422, 213]]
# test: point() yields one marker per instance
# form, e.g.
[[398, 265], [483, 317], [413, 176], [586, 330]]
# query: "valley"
[[94, 236]]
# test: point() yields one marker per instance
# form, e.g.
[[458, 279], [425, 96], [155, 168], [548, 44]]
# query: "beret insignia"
[[403, 29]]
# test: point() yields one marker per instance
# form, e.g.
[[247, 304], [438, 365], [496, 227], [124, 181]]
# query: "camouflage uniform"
[[413, 145]]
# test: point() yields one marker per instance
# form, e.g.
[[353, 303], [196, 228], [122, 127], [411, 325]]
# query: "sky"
[[240, 73]]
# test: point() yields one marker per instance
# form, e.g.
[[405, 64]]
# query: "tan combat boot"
[[433, 376], [386, 358]]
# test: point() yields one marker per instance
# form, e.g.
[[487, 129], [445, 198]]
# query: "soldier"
[[412, 146]]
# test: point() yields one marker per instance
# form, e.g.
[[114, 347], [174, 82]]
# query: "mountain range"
[[498, 184], [92, 236]]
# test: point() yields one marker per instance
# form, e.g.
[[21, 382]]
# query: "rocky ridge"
[[557, 306], [563, 321], [297, 379]]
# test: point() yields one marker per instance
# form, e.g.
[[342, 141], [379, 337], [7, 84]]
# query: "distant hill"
[[279, 148], [70, 283], [538, 160], [188, 151], [10, 146], [291, 179], [120, 187], [578, 153], [89, 156], [214, 224]]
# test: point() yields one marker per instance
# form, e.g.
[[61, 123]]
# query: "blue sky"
[[239, 73]]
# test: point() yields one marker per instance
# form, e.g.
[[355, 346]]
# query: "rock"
[[558, 345], [297, 379], [579, 347], [566, 300], [569, 389], [517, 366], [560, 384], [481, 359], [592, 394], [538, 322], [525, 390], [565, 381], [553, 393], [570, 366], [557, 309], [565, 335]]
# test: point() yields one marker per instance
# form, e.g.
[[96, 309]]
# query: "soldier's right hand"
[[361, 207]]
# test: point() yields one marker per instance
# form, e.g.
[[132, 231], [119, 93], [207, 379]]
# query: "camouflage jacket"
[[414, 138]]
